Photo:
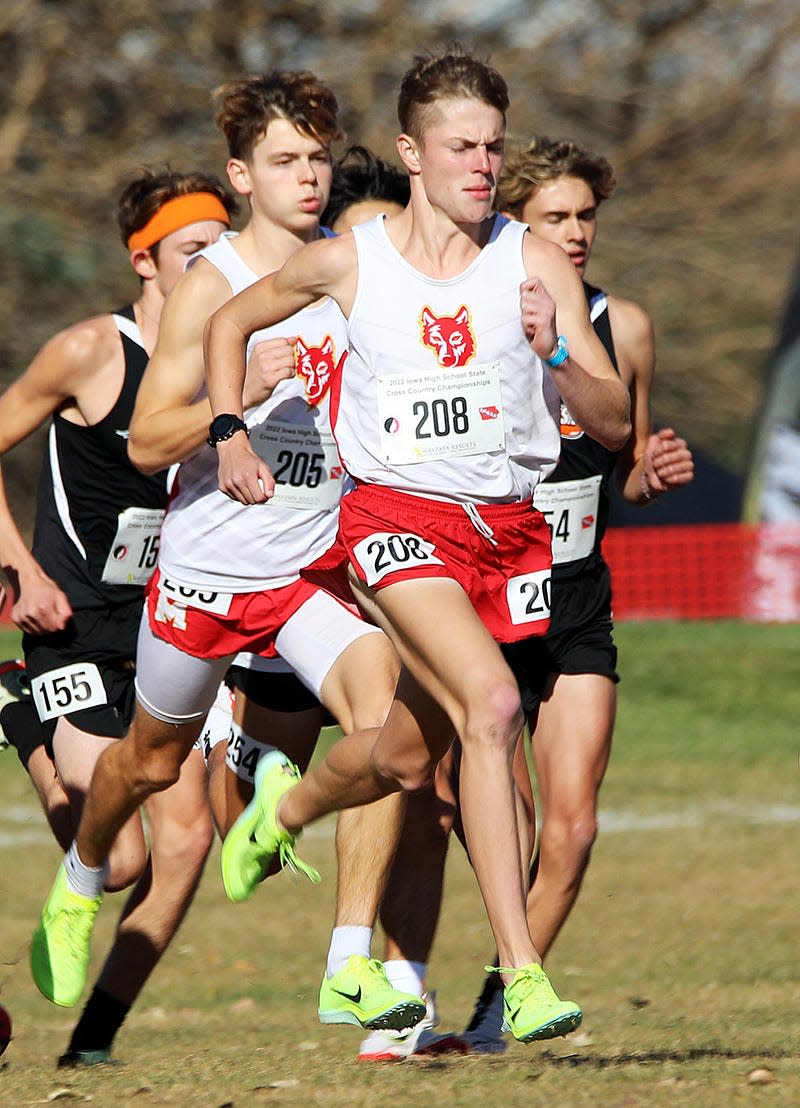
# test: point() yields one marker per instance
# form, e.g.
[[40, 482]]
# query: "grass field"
[[683, 949]]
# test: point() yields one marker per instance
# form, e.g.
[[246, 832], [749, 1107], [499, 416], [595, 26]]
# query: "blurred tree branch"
[[695, 102]]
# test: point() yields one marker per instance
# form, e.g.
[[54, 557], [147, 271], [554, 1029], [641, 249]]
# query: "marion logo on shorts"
[[569, 428], [450, 337], [168, 610], [316, 366]]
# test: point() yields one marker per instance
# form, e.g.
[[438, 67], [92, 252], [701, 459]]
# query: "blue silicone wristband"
[[560, 355]]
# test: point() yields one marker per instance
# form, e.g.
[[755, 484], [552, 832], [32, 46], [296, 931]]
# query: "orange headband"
[[177, 213]]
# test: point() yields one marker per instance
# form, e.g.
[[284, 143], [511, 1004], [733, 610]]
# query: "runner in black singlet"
[[78, 594]]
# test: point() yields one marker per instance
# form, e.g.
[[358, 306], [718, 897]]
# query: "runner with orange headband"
[[77, 596], [193, 207]]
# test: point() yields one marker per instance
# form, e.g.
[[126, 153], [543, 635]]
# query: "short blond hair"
[[446, 77], [542, 161]]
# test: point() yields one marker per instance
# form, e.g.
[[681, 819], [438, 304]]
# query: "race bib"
[[68, 690], [570, 508], [243, 754], [304, 462], [171, 591], [445, 414], [385, 552], [528, 597], [134, 551]]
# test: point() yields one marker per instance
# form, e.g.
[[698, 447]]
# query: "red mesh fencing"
[[707, 571]]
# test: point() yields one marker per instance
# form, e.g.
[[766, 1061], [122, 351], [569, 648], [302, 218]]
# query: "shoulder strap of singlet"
[[136, 359], [126, 324], [223, 257], [499, 223], [598, 314]]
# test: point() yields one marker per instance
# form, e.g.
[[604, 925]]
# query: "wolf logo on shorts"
[[450, 337], [316, 366]]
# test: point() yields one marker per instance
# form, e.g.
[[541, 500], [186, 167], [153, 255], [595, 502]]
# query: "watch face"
[[223, 426]]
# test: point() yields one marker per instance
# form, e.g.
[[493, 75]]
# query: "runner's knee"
[[185, 843], [494, 715], [122, 877], [411, 772], [570, 839], [157, 770], [125, 868]]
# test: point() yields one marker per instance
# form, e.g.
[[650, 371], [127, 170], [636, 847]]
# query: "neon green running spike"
[[361, 994], [255, 838], [61, 944], [531, 1009], [244, 864]]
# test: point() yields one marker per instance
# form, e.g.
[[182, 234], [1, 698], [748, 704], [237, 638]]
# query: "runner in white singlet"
[[452, 110], [228, 578], [567, 677]]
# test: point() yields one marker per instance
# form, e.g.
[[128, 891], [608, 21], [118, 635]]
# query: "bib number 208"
[[384, 552], [444, 419]]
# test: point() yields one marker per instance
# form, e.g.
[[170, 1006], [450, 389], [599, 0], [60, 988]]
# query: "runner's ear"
[[407, 149], [144, 264]]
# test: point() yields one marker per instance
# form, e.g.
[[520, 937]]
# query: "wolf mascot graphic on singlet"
[[316, 367], [450, 337]]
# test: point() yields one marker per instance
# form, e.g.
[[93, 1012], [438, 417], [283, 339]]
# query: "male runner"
[[568, 677], [364, 186], [447, 420], [78, 595], [228, 578]]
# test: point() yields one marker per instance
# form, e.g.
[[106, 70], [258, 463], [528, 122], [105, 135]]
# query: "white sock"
[[344, 942], [408, 977], [84, 880]]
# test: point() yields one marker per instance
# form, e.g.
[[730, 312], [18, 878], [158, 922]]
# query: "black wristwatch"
[[222, 427]]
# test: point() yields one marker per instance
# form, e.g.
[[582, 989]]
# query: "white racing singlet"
[[441, 395], [210, 541]]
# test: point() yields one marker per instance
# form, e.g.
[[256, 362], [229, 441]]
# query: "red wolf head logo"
[[450, 337], [316, 367]]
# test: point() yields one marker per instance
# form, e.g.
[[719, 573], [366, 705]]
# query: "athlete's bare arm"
[[172, 414], [327, 267], [79, 374], [649, 463], [170, 421], [552, 302]]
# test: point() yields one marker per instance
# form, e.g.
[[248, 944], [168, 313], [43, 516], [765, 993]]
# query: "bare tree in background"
[[695, 102]]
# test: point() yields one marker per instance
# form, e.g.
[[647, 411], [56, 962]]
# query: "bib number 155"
[[68, 690]]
